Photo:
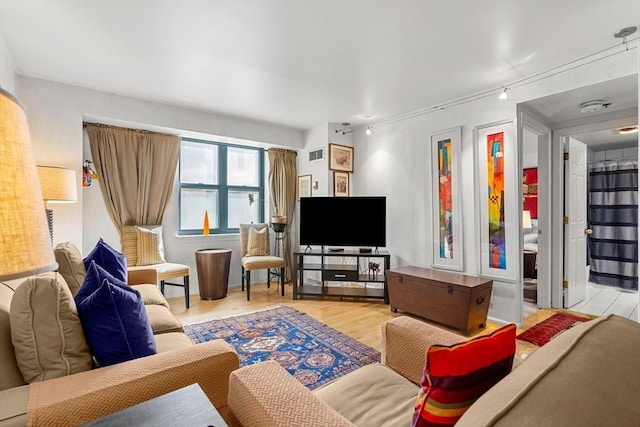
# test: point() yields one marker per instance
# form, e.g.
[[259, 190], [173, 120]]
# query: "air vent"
[[316, 155]]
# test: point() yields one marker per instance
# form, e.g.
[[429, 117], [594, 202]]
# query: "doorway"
[[604, 276], [561, 114]]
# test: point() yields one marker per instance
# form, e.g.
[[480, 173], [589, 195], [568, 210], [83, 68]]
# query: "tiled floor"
[[602, 300]]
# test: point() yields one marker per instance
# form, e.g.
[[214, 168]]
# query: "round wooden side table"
[[213, 272]]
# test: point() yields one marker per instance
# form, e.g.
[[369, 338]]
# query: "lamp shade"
[[25, 247], [526, 219], [58, 184]]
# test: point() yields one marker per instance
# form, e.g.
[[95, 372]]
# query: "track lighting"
[[504, 95], [368, 131], [346, 129]]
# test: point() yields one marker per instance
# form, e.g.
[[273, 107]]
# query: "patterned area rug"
[[541, 333], [311, 351]]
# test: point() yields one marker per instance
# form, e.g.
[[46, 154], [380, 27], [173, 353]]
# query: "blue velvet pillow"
[[93, 280], [113, 319], [108, 258]]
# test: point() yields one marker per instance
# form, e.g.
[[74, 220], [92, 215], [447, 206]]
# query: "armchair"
[[142, 246], [255, 253]]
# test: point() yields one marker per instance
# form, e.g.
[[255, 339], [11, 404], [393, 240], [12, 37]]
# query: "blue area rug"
[[311, 351]]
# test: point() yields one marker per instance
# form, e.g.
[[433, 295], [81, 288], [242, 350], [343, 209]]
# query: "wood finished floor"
[[360, 319]]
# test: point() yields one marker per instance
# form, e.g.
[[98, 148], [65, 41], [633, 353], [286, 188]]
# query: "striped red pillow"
[[454, 377]]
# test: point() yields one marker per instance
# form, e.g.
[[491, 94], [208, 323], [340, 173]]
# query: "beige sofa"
[[586, 376], [83, 396]]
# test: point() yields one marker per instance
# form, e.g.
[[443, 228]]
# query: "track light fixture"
[[504, 95], [368, 131], [346, 129]]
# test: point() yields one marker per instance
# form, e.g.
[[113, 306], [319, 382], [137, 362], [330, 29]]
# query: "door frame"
[[604, 121]]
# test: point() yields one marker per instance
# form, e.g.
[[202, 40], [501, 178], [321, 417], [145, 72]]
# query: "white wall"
[[630, 153], [395, 161], [55, 112], [7, 69], [316, 138], [529, 149]]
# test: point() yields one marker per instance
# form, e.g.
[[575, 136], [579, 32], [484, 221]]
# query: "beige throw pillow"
[[258, 244], [70, 265], [45, 330], [130, 244], [150, 246]]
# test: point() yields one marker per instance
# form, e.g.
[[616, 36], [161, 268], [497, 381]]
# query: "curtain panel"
[[283, 174], [136, 169], [613, 217]]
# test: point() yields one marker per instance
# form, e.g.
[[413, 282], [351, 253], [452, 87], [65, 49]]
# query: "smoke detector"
[[593, 106]]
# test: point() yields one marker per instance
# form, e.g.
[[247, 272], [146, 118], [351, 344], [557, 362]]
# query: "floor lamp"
[[25, 248], [58, 186]]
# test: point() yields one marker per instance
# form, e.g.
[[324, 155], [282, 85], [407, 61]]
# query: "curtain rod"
[[102, 125]]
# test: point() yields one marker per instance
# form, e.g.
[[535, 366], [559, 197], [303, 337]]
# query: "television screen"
[[343, 221]]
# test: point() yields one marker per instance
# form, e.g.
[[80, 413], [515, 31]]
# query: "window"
[[225, 180]]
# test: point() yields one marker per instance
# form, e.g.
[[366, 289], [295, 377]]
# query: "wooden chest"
[[450, 298]]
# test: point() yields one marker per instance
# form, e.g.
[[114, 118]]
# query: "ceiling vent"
[[593, 106], [316, 155]]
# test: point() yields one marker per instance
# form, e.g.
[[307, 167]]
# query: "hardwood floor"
[[359, 319]]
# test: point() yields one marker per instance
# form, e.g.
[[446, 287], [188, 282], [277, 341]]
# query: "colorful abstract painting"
[[445, 198], [495, 184]]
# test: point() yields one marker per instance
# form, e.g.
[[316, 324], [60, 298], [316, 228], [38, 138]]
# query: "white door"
[[575, 229]]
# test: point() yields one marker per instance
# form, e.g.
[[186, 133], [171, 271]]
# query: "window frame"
[[222, 188]]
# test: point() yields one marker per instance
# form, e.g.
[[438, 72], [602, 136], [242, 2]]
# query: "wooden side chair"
[[255, 253], [143, 247]]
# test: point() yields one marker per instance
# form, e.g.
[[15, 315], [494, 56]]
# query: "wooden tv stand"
[[332, 270]]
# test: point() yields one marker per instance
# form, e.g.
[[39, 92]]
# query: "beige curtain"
[[136, 170], [283, 175]]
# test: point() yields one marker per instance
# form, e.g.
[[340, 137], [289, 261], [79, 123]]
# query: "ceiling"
[[303, 63], [563, 109]]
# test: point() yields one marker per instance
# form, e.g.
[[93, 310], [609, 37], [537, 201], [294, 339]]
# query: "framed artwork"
[[498, 181], [304, 186], [340, 158], [530, 191], [446, 204], [341, 184]]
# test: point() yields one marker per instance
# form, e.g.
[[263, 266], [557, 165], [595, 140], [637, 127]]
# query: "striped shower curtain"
[[613, 217]]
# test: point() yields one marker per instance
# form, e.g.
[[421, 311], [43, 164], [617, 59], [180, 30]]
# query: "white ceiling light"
[[627, 130], [593, 106], [504, 95], [368, 131]]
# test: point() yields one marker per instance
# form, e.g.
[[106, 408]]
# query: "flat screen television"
[[343, 221]]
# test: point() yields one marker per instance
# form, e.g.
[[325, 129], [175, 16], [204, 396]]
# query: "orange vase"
[[205, 226]]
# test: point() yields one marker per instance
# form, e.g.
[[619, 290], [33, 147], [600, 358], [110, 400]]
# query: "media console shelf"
[[333, 270]]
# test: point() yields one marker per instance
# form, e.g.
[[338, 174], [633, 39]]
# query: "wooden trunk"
[[453, 299]]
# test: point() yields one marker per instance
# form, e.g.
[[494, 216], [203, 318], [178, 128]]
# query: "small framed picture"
[[341, 184], [340, 158], [304, 186]]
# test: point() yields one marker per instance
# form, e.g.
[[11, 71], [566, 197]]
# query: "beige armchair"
[[143, 247], [255, 253]]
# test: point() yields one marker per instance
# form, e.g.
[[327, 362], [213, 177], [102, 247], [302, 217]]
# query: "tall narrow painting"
[[447, 209], [497, 199]]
